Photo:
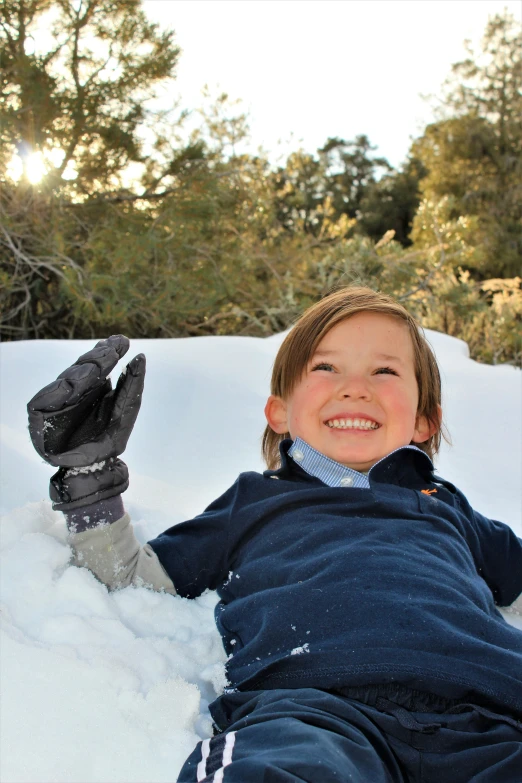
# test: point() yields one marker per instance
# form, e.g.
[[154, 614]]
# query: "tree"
[[473, 153], [299, 191], [350, 171], [77, 109], [391, 203], [81, 103], [333, 183], [135, 230]]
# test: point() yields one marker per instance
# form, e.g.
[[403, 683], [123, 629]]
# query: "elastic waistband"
[[410, 699]]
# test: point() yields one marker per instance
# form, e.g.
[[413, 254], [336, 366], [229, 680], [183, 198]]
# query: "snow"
[[112, 687], [300, 650], [89, 469]]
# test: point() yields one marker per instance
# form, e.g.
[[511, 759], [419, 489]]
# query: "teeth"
[[349, 424]]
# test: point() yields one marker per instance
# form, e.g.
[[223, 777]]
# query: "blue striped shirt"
[[327, 470]]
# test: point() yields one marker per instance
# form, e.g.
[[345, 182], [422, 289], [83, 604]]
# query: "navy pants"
[[293, 736]]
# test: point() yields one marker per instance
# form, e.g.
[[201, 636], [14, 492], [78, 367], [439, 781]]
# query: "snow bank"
[[113, 687]]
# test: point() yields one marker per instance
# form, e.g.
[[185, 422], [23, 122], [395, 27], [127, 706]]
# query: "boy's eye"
[[385, 371], [323, 366]]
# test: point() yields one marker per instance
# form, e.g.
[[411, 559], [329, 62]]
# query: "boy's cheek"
[[313, 389], [294, 424]]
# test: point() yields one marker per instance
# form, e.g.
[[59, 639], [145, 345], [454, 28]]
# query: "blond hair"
[[301, 342]]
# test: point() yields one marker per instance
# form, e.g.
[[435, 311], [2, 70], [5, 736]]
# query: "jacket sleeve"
[[112, 552], [498, 554], [195, 553]]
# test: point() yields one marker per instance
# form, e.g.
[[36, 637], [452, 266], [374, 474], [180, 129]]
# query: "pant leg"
[[473, 744], [292, 736], [467, 744]]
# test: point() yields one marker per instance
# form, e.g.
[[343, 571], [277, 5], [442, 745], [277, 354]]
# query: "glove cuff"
[[72, 488]]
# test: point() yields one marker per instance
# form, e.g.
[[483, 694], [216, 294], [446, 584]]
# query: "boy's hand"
[[79, 422]]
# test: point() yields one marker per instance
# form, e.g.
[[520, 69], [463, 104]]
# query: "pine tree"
[[473, 153]]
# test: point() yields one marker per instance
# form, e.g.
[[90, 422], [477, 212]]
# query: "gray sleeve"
[[114, 555]]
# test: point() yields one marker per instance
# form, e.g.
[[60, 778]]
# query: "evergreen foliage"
[[474, 153], [134, 230]]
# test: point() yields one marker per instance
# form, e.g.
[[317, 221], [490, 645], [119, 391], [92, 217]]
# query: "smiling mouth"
[[352, 424]]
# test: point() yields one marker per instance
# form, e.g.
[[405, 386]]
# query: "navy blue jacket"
[[333, 587]]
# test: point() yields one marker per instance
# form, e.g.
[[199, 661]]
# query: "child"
[[357, 588]]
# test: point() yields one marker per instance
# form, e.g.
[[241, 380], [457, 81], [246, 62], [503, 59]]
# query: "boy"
[[357, 588]]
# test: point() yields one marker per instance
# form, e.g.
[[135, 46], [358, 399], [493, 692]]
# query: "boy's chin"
[[361, 465], [361, 462]]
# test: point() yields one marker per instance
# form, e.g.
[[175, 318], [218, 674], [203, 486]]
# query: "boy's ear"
[[275, 412], [424, 429]]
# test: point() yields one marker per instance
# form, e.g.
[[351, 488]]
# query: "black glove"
[[80, 424]]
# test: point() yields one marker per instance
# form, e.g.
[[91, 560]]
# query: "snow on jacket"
[[329, 588]]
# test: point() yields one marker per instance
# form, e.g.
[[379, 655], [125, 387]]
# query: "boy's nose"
[[355, 388]]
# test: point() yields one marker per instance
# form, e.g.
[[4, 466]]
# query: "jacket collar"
[[406, 466]]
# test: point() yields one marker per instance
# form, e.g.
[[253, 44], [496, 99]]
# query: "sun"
[[34, 166]]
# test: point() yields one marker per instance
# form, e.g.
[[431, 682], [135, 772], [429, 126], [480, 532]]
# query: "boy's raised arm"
[[102, 540], [81, 425]]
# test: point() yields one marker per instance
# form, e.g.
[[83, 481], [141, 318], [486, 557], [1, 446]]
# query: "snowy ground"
[[111, 688]]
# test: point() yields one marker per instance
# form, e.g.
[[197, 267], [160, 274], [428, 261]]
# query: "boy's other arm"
[[498, 552], [102, 540]]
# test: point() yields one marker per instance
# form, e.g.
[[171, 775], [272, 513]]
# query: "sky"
[[102, 687], [309, 69]]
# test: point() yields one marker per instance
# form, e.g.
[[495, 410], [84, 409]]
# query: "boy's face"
[[357, 399]]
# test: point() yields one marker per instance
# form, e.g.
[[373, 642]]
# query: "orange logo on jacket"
[[428, 491]]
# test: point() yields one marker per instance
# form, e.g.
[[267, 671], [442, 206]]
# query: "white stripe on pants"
[[201, 771], [202, 766]]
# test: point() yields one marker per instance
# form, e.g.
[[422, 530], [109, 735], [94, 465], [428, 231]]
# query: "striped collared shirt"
[[327, 470]]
